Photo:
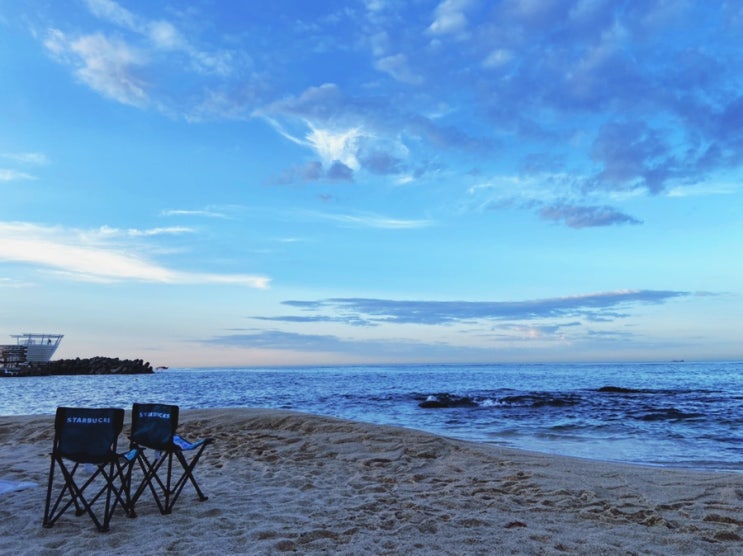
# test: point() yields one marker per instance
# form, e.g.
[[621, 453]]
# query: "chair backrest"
[[154, 425], [87, 435]]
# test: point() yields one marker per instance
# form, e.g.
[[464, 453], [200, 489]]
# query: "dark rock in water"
[[90, 366], [447, 400], [618, 390], [669, 414]]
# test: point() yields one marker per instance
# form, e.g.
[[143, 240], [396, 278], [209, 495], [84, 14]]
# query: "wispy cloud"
[[335, 145], [86, 256], [338, 144], [119, 64], [22, 159], [36, 159], [529, 332], [393, 349], [363, 134], [107, 65], [14, 175], [450, 17], [399, 68], [162, 35], [314, 171], [585, 217], [595, 306], [11, 283], [367, 220], [350, 320], [281, 340], [206, 213], [107, 231], [704, 189], [555, 197]]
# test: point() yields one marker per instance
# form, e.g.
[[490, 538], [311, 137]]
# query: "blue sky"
[[280, 183]]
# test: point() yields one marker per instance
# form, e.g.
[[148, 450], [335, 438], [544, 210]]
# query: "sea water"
[[683, 414]]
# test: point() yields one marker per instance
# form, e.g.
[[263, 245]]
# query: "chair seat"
[[183, 444]]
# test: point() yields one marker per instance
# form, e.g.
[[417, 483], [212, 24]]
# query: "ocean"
[[681, 414]]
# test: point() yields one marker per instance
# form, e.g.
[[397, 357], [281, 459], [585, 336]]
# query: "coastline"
[[286, 482]]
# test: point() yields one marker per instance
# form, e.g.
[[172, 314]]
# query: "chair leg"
[[125, 472], [53, 511], [168, 482], [187, 476], [109, 510], [48, 522], [150, 470]]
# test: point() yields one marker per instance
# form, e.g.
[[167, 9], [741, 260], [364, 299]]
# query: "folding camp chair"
[[154, 427], [88, 436]]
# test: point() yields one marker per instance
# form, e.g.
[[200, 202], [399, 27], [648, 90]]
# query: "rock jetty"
[[89, 366]]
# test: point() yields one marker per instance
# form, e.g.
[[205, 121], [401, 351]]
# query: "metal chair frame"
[[154, 427]]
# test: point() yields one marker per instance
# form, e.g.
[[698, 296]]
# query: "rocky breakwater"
[[92, 366]]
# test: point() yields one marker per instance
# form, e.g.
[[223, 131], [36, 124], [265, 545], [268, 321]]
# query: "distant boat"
[[30, 348], [161, 368]]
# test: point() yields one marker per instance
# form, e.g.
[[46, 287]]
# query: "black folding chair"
[[154, 426], [85, 440]]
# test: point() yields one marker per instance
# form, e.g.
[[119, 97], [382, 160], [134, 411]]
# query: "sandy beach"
[[281, 482]]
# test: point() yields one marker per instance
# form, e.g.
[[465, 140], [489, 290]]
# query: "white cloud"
[[379, 43], [332, 145], [703, 189], [105, 65], [10, 283], [37, 159], [162, 35], [375, 5], [397, 66], [13, 175], [86, 256], [218, 104], [218, 63], [108, 68], [113, 64], [369, 220], [107, 231], [208, 213], [450, 17], [497, 58], [113, 12], [340, 131]]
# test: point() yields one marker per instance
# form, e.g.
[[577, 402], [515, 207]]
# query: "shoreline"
[[471, 440], [685, 420], [287, 482]]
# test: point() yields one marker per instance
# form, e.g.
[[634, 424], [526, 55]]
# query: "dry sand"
[[280, 482]]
